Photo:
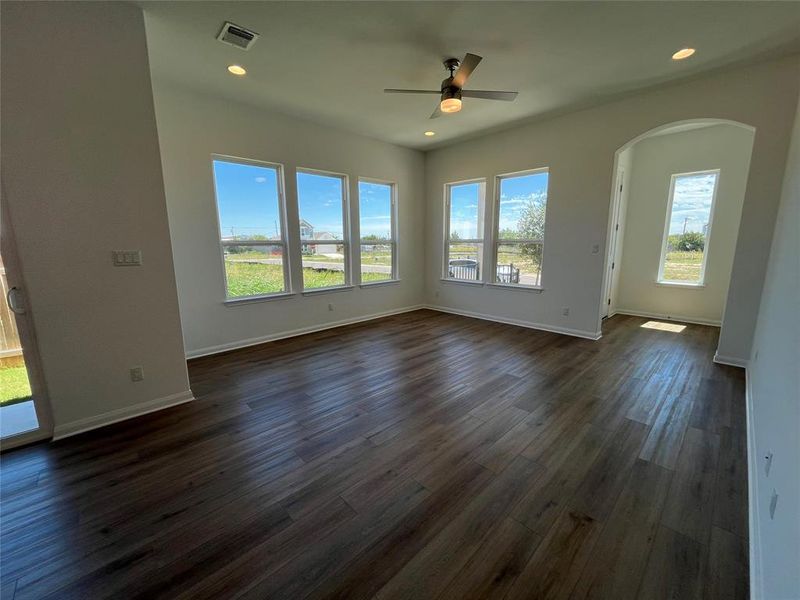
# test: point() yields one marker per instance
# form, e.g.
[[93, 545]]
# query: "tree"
[[454, 237], [691, 241], [531, 225]]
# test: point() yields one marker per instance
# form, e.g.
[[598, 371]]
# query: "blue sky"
[[375, 209], [691, 202], [247, 197], [515, 192]]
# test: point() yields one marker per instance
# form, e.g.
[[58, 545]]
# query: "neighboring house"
[[307, 233], [324, 248]]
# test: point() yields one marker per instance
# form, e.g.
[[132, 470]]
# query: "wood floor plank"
[[690, 503], [423, 455]]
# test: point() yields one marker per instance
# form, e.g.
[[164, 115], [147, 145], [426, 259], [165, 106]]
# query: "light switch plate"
[[127, 258]]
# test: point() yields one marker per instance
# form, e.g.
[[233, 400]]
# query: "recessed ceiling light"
[[430, 133], [683, 53], [237, 70]]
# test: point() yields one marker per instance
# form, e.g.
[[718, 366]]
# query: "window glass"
[[688, 228], [464, 231], [321, 204], [378, 244], [250, 209], [519, 241]]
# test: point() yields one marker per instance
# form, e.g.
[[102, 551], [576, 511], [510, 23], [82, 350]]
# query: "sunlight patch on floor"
[[662, 326]]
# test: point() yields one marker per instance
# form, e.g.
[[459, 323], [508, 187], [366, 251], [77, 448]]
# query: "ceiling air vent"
[[237, 36]]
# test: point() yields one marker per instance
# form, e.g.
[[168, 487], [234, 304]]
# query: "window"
[[519, 233], [689, 212], [377, 225], [321, 199], [251, 227], [463, 251]]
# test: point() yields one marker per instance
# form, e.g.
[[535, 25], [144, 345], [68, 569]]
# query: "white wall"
[[82, 175], [774, 402], [579, 149], [655, 160], [192, 127]]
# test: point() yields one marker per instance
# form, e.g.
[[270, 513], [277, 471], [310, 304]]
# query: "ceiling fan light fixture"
[[450, 105]]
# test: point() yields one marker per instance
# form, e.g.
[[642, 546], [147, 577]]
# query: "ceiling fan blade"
[[465, 69], [489, 95], [394, 91], [436, 113]]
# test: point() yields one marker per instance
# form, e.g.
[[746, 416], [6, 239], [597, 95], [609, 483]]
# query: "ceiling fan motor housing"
[[449, 90]]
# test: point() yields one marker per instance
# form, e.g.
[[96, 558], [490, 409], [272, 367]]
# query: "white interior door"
[[24, 410]]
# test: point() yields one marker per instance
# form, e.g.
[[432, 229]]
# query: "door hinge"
[[609, 301], [616, 227], [612, 266]]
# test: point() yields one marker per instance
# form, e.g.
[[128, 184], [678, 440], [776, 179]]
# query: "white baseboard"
[[733, 361], [209, 350], [756, 585], [121, 414], [678, 318], [589, 335]]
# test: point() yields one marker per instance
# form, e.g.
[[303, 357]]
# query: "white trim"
[[378, 283], [680, 318], [732, 361], [510, 286], [209, 350], [327, 290], [754, 537], [589, 335], [477, 282], [122, 414], [684, 286]]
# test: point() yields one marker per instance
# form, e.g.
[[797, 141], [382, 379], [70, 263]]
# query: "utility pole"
[[685, 220]]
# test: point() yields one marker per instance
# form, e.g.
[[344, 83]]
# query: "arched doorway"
[[657, 262]]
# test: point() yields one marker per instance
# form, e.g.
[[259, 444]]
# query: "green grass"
[[683, 266], [14, 385], [254, 279]]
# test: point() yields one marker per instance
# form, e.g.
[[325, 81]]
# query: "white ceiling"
[[329, 61]]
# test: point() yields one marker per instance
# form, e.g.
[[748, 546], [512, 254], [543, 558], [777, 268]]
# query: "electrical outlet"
[[330, 307], [137, 373], [768, 463], [127, 258], [773, 504], [565, 311]]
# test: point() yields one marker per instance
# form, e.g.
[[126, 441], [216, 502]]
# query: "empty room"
[[419, 300]]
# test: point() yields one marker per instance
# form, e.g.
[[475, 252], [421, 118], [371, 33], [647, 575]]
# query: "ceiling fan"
[[452, 87]]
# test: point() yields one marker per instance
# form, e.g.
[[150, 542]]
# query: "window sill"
[[252, 299], [378, 283], [328, 290], [510, 286], [675, 284], [462, 281]]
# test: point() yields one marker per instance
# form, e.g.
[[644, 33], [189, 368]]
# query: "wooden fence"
[[10, 347]]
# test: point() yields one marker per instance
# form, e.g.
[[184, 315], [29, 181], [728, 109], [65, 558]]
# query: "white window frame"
[[395, 276], [283, 242], [496, 227], [480, 229], [344, 242], [662, 260]]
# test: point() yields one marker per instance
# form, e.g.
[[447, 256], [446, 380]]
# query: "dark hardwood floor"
[[419, 456]]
